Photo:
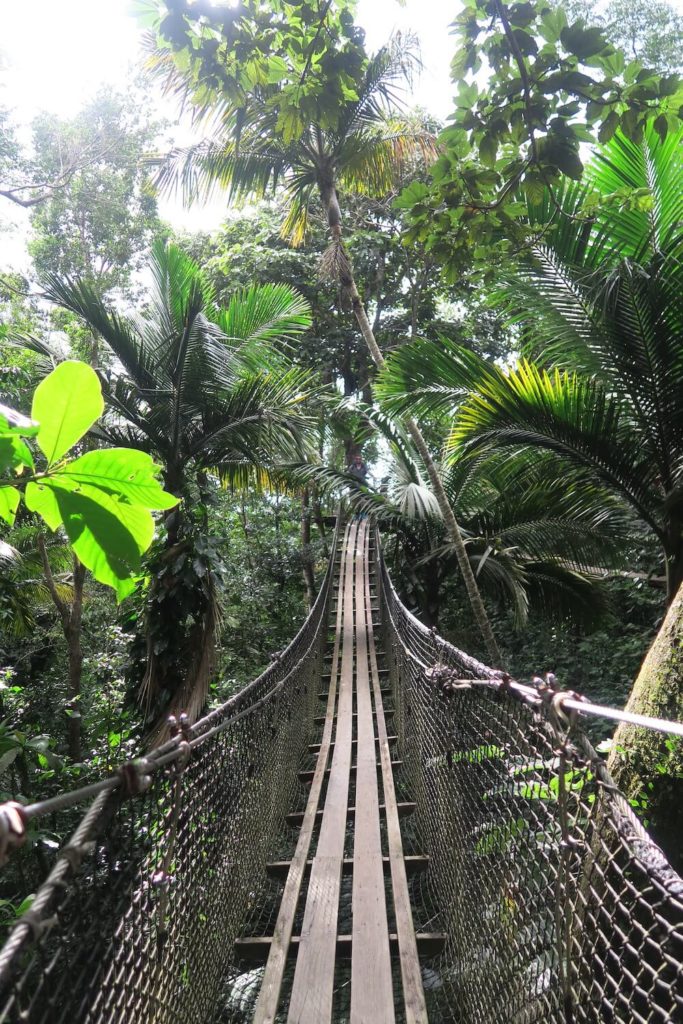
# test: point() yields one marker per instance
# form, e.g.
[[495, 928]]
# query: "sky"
[[55, 54], [70, 48]]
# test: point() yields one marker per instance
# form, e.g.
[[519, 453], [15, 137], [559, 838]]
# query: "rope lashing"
[[12, 829]]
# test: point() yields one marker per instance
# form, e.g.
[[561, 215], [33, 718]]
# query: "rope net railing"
[[557, 905], [137, 918]]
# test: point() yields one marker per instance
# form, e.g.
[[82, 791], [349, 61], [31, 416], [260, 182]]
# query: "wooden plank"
[[315, 747], [385, 693], [411, 975], [271, 986], [372, 990], [308, 776], [256, 947], [313, 985], [320, 719], [404, 808], [415, 862]]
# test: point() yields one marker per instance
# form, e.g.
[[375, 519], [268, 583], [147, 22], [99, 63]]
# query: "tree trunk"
[[642, 756], [306, 561], [319, 522], [658, 692], [331, 206], [73, 639], [71, 618], [673, 547]]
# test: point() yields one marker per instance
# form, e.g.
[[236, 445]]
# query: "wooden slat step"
[[386, 692], [307, 777], [256, 948], [315, 747], [372, 996], [414, 864], [312, 993], [383, 672], [404, 809], [320, 719]]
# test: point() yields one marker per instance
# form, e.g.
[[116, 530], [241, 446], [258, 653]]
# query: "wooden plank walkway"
[[354, 699]]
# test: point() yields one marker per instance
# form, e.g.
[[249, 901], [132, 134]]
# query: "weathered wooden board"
[[313, 986], [269, 995], [372, 999], [411, 975]]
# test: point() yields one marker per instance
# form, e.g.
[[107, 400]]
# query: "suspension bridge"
[[378, 829]]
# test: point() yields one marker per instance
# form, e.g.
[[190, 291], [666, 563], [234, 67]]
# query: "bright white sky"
[[57, 53], [72, 47]]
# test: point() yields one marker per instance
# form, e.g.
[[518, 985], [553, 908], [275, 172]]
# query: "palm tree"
[[364, 149], [600, 304], [210, 394], [532, 543]]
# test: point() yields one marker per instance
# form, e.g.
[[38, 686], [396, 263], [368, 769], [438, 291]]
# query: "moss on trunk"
[[647, 764]]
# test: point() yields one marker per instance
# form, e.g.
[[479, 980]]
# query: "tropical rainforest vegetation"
[[490, 311]]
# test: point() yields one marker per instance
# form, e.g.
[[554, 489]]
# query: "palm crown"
[[604, 293], [201, 387], [364, 149], [205, 390]]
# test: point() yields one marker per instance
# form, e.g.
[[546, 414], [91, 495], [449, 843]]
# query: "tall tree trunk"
[[73, 639], [71, 618], [319, 521], [641, 756], [306, 560], [341, 261]]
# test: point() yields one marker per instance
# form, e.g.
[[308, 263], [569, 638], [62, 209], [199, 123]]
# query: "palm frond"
[[573, 417], [262, 317]]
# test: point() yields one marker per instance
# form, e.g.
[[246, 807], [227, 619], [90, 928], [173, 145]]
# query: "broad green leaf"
[[488, 150], [14, 453], [412, 194], [125, 472], [9, 502], [583, 42], [669, 85], [108, 536], [608, 127], [66, 404], [41, 500]]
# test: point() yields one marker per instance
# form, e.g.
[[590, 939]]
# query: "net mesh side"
[[557, 905], [138, 918]]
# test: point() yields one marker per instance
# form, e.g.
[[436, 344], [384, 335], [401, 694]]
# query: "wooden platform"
[[385, 967]]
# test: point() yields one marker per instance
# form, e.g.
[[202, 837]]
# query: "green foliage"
[[210, 392], [601, 294], [552, 86], [102, 500], [650, 31], [101, 219], [535, 545], [401, 285], [301, 102]]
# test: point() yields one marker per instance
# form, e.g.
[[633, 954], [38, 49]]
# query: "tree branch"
[[61, 605]]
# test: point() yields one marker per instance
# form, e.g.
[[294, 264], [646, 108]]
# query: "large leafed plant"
[[103, 499]]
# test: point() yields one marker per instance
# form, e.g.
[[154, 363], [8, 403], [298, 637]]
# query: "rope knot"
[[135, 777], [446, 679], [504, 682], [12, 829], [37, 925]]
